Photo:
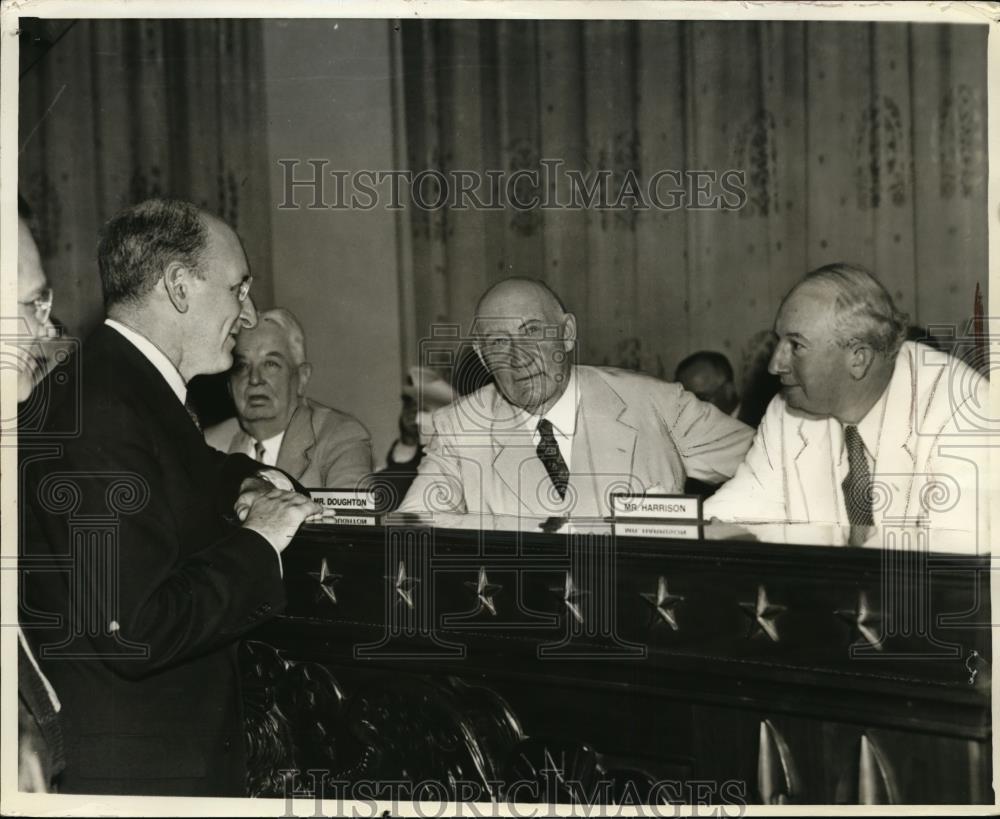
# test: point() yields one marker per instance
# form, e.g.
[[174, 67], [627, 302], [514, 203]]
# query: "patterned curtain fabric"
[[859, 142], [119, 110]]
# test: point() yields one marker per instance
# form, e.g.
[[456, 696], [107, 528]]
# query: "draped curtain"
[[119, 110], [859, 142]]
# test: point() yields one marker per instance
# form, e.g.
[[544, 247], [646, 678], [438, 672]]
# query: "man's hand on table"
[[273, 513]]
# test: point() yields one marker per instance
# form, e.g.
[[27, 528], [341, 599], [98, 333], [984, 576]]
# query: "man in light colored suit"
[[868, 429], [550, 438], [276, 424]]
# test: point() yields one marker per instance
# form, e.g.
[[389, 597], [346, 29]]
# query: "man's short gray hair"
[[291, 328], [864, 309]]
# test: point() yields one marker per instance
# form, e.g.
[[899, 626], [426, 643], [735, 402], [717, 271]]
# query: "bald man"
[[550, 438], [709, 375], [140, 639], [869, 429]]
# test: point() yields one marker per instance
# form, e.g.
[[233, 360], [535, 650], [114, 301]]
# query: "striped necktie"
[[259, 451], [857, 485], [194, 415], [551, 457]]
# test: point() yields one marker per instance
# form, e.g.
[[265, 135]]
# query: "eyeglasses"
[[243, 288], [42, 305]]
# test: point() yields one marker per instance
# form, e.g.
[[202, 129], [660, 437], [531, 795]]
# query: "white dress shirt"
[[870, 430], [272, 446]]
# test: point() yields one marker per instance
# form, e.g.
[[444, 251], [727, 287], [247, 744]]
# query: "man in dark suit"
[[40, 756], [167, 550]]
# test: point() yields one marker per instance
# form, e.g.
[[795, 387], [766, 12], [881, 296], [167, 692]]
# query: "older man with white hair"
[[552, 438], [868, 429], [275, 423]]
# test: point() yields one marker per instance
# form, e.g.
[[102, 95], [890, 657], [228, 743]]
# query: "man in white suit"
[[868, 429], [276, 424], [550, 438]]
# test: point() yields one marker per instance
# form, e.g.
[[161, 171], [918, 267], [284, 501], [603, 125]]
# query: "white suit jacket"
[[633, 433], [931, 465]]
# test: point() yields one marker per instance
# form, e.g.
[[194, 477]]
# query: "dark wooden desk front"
[[539, 668]]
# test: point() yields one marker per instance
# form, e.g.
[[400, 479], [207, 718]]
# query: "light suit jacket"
[[633, 433], [322, 447], [931, 465]]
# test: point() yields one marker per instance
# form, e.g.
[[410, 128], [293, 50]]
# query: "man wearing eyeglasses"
[[40, 756], [187, 558], [34, 308]]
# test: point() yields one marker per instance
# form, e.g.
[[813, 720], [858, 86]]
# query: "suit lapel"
[[896, 460], [150, 389], [815, 450], [296, 447], [515, 461], [604, 444]]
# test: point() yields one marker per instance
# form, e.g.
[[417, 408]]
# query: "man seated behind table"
[[709, 375], [857, 404], [276, 424], [551, 438]]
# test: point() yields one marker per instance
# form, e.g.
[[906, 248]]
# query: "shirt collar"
[[164, 366], [870, 427], [272, 444], [562, 414]]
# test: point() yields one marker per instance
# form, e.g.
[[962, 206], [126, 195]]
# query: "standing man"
[[275, 423], [868, 429], [40, 748], [551, 438], [157, 578]]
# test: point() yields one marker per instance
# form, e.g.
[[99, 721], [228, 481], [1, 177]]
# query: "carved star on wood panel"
[[484, 592], [865, 622], [570, 594], [327, 581], [763, 614], [403, 585], [663, 604]]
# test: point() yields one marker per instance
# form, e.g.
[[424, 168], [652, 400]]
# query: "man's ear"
[[569, 331], [860, 359], [479, 354], [305, 373], [177, 282]]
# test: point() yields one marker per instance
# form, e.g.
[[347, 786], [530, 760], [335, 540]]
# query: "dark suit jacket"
[[392, 483], [154, 587]]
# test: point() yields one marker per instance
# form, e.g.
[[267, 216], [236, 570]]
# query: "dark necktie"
[[548, 452], [857, 484], [194, 415], [259, 451]]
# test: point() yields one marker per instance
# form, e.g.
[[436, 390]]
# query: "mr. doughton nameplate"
[[344, 500], [656, 507]]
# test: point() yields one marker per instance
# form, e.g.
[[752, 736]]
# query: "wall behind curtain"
[[860, 142], [119, 110]]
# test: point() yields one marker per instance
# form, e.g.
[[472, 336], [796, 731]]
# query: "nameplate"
[[655, 507], [675, 531], [341, 519], [344, 500]]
